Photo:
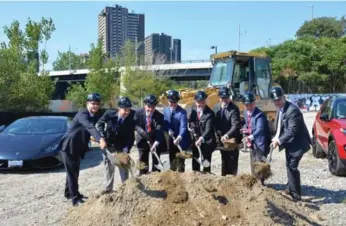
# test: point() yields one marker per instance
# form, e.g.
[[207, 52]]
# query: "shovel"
[[245, 148], [162, 166], [116, 162], [204, 162], [179, 147]]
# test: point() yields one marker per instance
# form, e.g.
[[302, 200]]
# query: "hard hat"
[[150, 100], [94, 97], [200, 95], [124, 102], [173, 96], [276, 93], [249, 98], [224, 92]]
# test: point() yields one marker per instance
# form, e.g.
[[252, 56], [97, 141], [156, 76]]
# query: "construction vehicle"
[[240, 72]]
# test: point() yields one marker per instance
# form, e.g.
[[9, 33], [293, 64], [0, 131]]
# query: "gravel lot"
[[36, 197]]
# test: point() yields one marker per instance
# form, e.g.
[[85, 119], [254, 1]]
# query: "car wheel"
[[316, 151], [336, 167]]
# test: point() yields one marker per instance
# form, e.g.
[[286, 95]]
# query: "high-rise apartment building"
[[176, 50], [116, 25], [159, 49]]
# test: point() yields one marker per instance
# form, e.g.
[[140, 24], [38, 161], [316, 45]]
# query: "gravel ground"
[[36, 197]]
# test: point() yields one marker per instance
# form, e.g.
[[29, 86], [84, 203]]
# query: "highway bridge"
[[191, 71]]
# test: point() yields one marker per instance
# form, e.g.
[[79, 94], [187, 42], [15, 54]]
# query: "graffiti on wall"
[[311, 101]]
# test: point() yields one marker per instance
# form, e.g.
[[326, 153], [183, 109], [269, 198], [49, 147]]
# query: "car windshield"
[[37, 126], [341, 110], [221, 73]]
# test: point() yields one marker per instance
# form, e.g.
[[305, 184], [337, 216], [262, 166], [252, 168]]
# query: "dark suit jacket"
[[178, 124], [77, 137], [117, 135], [205, 127], [294, 135], [260, 130], [230, 124], [156, 134]]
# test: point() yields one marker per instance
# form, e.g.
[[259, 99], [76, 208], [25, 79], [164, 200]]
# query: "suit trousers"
[[144, 157], [109, 170], [206, 152], [177, 164], [229, 162], [72, 166], [293, 174]]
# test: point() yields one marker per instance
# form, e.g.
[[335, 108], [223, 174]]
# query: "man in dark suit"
[[118, 128], [291, 135], [149, 126], [201, 123], [228, 126], [257, 129], [76, 142], [175, 119]]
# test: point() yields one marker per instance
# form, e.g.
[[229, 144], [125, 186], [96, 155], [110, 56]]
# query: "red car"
[[329, 134]]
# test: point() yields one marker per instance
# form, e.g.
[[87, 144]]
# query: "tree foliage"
[[102, 79], [323, 27], [69, 60], [21, 89]]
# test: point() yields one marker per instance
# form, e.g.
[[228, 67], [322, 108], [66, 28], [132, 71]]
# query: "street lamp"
[[214, 47]]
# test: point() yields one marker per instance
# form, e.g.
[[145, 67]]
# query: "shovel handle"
[[270, 154]]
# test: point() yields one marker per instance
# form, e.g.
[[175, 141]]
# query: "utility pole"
[[239, 34], [312, 11]]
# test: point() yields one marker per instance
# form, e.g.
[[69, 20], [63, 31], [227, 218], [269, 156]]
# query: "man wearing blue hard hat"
[[76, 142], [291, 135], [118, 128]]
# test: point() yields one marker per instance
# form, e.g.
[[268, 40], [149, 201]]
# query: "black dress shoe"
[[77, 202], [296, 197], [81, 196]]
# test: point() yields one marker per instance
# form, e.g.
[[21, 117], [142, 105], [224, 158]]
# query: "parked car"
[[329, 134], [33, 142]]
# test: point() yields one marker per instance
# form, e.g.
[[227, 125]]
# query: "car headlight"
[[343, 131], [51, 148]]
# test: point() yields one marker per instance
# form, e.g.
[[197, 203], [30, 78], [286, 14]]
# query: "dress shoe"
[[77, 202], [81, 196], [296, 197], [106, 192]]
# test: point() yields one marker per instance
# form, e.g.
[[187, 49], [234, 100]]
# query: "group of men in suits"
[[202, 129]]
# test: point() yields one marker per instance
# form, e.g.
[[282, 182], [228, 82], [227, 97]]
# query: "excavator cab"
[[242, 72]]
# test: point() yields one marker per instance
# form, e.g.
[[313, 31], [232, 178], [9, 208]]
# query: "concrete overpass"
[[191, 71]]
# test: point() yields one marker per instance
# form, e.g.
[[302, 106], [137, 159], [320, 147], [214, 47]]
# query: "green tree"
[[140, 81], [21, 89], [103, 78], [69, 60], [322, 27]]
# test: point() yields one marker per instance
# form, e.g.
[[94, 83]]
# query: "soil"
[[191, 198], [184, 155], [262, 170]]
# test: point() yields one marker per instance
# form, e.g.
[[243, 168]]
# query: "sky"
[[199, 25]]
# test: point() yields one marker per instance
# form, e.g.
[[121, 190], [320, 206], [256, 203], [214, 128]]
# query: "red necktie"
[[199, 115], [148, 124]]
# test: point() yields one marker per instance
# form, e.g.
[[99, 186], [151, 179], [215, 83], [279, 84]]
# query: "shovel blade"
[[206, 163], [199, 161]]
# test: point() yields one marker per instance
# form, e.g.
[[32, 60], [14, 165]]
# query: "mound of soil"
[[171, 198], [262, 170]]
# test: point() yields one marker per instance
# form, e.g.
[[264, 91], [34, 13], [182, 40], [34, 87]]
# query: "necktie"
[[199, 115], [148, 124], [223, 112]]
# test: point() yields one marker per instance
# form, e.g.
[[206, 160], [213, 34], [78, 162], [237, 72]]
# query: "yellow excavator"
[[240, 72]]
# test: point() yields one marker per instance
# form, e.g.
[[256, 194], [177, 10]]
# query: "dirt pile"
[[191, 198]]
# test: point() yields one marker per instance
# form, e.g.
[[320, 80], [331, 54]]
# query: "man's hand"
[[125, 150], [244, 131], [103, 144], [224, 137], [177, 141], [171, 133], [199, 141], [155, 145], [274, 143]]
